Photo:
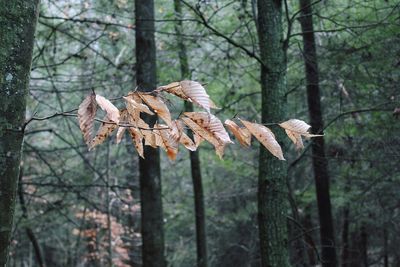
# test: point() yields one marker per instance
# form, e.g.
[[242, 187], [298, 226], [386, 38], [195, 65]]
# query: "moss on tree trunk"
[[17, 19]]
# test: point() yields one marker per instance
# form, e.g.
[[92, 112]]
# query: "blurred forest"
[[337, 201]]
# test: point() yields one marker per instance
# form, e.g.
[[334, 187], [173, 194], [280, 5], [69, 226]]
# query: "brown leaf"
[[177, 132], [137, 139], [265, 137], [296, 139], [166, 140], [120, 134], [208, 127], [109, 108], [242, 134], [122, 129], [210, 123], [86, 114], [159, 107], [295, 129], [106, 128], [191, 91]]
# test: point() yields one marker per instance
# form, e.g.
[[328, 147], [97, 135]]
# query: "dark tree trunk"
[[201, 236], [320, 163], [29, 232], [18, 21], [149, 168], [272, 189]]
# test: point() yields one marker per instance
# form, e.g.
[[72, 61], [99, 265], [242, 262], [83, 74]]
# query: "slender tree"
[[149, 167], [320, 163], [18, 21], [272, 190], [201, 237]]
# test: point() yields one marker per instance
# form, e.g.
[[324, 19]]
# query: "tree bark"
[[18, 21], [201, 236], [149, 167], [272, 190], [320, 163]]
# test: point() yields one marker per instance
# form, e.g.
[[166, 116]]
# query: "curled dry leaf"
[[109, 108], [208, 127], [106, 128], [177, 132], [191, 91], [242, 134], [266, 137], [86, 114], [122, 129], [137, 139], [295, 129], [159, 107], [166, 141]]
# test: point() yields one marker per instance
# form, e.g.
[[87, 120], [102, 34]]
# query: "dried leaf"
[[242, 134], [177, 132], [122, 129], [86, 114], [132, 105], [208, 127], [106, 128], [159, 107], [137, 139], [296, 139], [295, 129], [120, 134], [109, 108], [266, 137], [191, 91], [167, 141]]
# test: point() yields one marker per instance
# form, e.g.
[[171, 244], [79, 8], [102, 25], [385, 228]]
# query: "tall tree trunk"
[[201, 236], [18, 21], [149, 167], [272, 189], [320, 163]]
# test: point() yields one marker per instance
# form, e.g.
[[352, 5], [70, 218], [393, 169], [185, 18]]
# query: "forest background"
[[82, 208]]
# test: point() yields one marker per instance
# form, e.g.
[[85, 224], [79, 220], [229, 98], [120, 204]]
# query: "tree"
[[320, 163], [149, 167], [18, 19], [201, 237], [272, 190]]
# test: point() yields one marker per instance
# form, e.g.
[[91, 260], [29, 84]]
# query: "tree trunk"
[[320, 163], [18, 21], [201, 236], [272, 190], [149, 168]]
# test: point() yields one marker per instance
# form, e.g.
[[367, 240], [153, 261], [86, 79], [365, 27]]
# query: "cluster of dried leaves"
[[204, 125]]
